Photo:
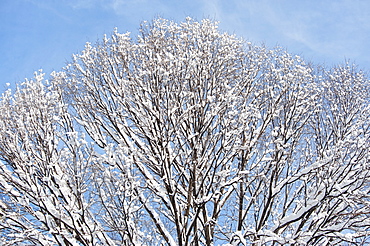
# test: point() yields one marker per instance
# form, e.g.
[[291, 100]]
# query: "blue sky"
[[43, 34]]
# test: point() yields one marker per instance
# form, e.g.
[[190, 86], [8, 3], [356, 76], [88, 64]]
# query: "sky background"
[[43, 34]]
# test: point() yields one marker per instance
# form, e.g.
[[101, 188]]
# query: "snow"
[[173, 131]]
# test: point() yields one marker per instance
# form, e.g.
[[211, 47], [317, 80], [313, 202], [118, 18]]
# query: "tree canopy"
[[186, 136]]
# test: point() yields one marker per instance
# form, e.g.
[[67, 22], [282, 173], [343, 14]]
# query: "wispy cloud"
[[324, 29], [330, 29]]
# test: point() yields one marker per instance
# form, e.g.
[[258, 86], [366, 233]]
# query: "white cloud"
[[83, 4], [327, 30], [331, 29]]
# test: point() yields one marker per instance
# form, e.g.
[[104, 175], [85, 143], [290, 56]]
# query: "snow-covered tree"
[[186, 136]]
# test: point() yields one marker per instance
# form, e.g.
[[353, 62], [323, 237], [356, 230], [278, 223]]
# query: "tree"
[[186, 136]]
